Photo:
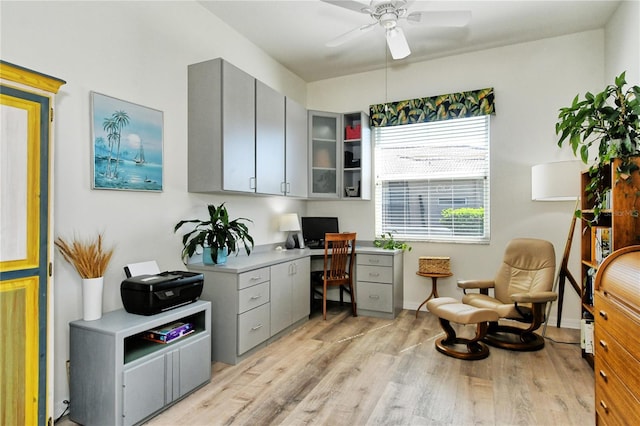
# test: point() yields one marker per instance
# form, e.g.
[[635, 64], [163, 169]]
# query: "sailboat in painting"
[[139, 159]]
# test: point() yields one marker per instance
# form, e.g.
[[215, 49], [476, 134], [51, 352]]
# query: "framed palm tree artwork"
[[127, 141]]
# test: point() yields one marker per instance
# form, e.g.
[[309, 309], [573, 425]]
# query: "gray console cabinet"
[[118, 378]]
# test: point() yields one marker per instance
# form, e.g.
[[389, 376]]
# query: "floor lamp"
[[559, 181]]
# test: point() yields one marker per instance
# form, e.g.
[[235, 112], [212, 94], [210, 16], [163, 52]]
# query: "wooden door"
[[25, 117]]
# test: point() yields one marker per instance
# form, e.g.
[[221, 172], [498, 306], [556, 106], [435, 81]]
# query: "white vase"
[[92, 298]]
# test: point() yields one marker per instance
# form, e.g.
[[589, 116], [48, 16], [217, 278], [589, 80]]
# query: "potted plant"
[[610, 120], [386, 241], [218, 236]]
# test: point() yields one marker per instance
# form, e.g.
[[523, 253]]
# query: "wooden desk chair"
[[339, 261]]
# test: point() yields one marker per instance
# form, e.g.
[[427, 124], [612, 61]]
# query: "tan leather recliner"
[[522, 288]]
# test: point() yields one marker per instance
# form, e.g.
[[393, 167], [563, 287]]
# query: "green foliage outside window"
[[467, 220]]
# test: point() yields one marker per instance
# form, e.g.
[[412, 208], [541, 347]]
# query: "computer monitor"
[[314, 228]]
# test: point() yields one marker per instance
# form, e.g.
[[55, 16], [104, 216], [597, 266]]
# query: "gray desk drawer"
[[247, 279], [376, 274], [374, 260], [253, 327], [375, 296], [252, 297]]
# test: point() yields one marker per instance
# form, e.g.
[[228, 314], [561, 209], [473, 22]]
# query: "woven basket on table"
[[434, 265]]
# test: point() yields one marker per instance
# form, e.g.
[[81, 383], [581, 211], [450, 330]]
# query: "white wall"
[[532, 81], [139, 52], [622, 43]]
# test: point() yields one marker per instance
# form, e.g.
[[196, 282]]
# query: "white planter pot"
[[92, 298]]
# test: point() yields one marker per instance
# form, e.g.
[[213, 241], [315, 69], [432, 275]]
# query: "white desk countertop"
[[260, 259]]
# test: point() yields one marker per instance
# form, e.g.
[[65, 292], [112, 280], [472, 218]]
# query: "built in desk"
[[257, 299]]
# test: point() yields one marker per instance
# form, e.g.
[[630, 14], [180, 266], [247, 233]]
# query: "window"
[[432, 180]]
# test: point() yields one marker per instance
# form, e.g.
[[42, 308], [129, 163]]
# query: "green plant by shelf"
[[387, 242], [609, 119]]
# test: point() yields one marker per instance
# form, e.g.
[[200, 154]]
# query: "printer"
[[149, 294]]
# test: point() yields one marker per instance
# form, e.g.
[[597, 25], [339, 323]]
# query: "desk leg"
[[434, 293]]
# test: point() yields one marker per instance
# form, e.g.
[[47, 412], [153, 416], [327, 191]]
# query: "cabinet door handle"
[[252, 183], [256, 327], [604, 345], [374, 274], [256, 297], [604, 315], [255, 277], [374, 296], [283, 187], [374, 260], [603, 375], [603, 405]]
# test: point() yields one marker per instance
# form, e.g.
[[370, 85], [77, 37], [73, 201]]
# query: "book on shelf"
[[169, 332], [600, 243], [588, 286], [586, 335]]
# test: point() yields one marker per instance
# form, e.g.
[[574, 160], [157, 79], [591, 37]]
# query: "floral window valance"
[[435, 108]]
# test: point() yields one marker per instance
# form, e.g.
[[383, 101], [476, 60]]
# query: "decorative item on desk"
[[289, 223], [217, 233], [434, 265], [386, 241], [90, 259]]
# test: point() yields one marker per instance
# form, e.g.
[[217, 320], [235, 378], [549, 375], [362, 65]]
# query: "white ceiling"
[[295, 32]]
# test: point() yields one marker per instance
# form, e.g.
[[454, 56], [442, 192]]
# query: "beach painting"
[[127, 145]]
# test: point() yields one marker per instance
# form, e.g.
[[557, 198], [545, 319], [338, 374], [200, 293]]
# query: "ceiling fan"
[[387, 13]]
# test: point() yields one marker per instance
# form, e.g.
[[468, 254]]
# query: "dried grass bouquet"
[[89, 258]]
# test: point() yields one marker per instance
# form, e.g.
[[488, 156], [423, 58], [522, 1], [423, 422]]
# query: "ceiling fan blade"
[[397, 43], [350, 35], [440, 18], [349, 4]]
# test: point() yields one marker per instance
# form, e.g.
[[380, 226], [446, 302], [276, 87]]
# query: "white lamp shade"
[[289, 222], [557, 181]]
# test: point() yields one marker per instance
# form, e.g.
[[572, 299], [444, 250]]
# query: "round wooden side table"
[[434, 286]]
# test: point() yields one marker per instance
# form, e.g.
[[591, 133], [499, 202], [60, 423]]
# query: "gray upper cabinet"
[[296, 164], [270, 148], [221, 115], [243, 135]]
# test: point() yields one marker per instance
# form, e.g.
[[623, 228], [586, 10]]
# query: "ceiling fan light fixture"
[[397, 43], [388, 20]]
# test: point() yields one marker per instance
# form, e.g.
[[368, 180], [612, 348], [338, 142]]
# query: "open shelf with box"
[[118, 377], [339, 155], [356, 171]]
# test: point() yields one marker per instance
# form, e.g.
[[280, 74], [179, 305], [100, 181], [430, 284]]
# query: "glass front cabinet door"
[[325, 144]]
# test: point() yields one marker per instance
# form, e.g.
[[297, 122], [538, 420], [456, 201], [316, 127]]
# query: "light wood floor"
[[368, 371]]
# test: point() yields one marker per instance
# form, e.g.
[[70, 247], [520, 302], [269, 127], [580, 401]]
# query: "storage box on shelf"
[[618, 226]]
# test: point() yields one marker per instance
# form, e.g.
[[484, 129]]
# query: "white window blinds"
[[432, 180]]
